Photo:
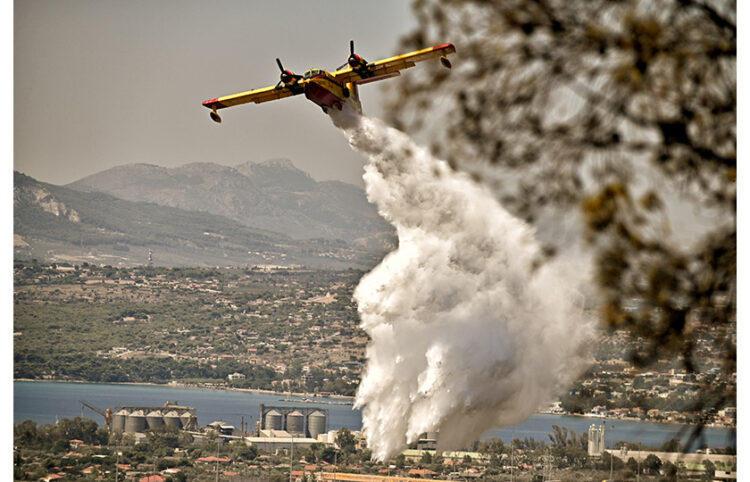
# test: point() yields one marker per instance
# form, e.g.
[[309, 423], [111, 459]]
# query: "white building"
[[597, 441]]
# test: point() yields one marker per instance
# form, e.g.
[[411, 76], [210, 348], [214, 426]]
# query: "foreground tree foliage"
[[55, 438], [569, 446], [611, 120]]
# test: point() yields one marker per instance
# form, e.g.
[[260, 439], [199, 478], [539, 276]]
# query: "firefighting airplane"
[[332, 89]]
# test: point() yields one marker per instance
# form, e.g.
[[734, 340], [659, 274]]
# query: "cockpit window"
[[313, 73]]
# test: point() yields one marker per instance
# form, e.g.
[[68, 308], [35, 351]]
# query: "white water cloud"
[[469, 331]]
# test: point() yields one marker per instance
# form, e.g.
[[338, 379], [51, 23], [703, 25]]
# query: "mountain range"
[[199, 214], [272, 195]]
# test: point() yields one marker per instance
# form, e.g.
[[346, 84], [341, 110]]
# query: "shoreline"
[[196, 385], [633, 419], [312, 397]]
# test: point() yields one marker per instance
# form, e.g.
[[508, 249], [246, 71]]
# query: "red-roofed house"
[[212, 459], [600, 409], [153, 478], [422, 472]]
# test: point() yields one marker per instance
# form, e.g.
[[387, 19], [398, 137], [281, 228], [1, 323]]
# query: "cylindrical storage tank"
[[316, 424], [273, 420], [295, 423], [189, 421], [135, 422], [172, 419], [118, 420], [155, 419]]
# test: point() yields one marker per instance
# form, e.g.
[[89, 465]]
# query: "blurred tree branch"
[[614, 111]]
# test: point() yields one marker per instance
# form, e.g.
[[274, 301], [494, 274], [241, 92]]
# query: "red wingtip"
[[208, 103], [443, 46]]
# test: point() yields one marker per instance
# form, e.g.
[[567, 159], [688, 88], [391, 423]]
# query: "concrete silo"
[[172, 419], [316, 424], [295, 423], [155, 419], [135, 422], [189, 420], [118, 420], [273, 420]]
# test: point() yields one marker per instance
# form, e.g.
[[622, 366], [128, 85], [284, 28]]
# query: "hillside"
[[59, 224], [272, 195]]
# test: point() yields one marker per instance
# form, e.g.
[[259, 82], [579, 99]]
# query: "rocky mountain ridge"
[[59, 224], [272, 195]]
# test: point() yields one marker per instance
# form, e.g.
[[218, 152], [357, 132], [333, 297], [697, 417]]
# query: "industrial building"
[[136, 419], [222, 428], [296, 421], [279, 441], [278, 427]]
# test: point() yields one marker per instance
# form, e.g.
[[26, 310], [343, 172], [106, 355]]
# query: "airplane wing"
[[392, 66], [257, 95]]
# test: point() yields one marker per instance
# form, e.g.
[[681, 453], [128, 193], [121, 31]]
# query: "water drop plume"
[[468, 330]]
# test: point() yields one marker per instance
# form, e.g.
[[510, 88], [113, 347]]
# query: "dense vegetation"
[[282, 329], [189, 325]]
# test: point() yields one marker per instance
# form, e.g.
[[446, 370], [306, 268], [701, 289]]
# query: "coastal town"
[[77, 449], [294, 331], [281, 329]]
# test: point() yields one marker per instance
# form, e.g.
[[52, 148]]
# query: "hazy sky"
[[100, 83]]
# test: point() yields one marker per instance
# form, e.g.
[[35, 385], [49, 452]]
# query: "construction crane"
[[107, 414]]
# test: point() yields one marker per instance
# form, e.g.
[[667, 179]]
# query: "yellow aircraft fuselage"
[[322, 89]]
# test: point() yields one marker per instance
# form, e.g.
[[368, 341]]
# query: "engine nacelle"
[[215, 117], [444, 60]]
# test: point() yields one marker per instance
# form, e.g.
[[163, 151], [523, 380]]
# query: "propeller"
[[353, 60], [287, 76]]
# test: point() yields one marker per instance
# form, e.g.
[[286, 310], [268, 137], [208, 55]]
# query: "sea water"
[[45, 402]]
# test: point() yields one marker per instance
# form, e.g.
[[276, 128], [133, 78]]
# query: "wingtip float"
[[332, 90]]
